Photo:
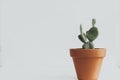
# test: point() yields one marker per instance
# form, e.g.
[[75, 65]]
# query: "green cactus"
[[88, 37], [82, 36]]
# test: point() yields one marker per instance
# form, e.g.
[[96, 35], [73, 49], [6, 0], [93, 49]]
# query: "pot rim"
[[79, 52], [86, 49]]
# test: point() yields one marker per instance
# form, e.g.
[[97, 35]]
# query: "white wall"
[[36, 36]]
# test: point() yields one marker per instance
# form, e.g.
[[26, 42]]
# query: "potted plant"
[[87, 60]]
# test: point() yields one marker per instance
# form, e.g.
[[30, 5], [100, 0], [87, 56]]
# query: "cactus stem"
[[81, 28], [93, 22]]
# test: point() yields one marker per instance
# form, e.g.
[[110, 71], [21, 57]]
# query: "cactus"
[[88, 37]]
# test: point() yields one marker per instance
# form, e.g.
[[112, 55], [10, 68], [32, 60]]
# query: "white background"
[[36, 36]]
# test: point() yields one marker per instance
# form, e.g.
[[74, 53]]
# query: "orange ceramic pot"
[[87, 62]]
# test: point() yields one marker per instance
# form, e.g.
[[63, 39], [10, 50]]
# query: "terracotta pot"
[[87, 62]]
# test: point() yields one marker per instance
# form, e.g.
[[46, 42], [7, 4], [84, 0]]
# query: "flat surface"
[[37, 67], [58, 66]]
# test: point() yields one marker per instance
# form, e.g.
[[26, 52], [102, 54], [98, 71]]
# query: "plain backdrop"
[[36, 35]]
